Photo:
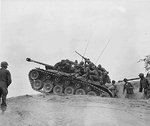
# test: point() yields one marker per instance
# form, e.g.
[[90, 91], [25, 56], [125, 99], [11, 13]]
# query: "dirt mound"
[[52, 110]]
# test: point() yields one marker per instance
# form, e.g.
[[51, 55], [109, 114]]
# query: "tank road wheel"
[[42, 78], [67, 82], [88, 88], [92, 93], [48, 77], [34, 74], [57, 89], [37, 85], [80, 92], [77, 85], [57, 79], [104, 94], [48, 86], [69, 91]]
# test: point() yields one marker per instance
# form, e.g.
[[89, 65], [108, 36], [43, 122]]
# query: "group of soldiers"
[[128, 88], [90, 71], [87, 70]]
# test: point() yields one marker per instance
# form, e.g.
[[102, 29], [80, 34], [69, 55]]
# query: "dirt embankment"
[[52, 110]]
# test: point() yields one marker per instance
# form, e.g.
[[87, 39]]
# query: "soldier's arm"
[[9, 80], [148, 84], [140, 89], [123, 89], [131, 85], [140, 84]]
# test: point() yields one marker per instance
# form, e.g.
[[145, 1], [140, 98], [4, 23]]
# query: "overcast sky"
[[51, 30]]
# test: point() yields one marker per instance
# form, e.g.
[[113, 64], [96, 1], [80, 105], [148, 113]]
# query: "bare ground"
[[52, 110]]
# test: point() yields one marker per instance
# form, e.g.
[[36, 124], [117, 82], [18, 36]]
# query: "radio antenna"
[[102, 52], [85, 49]]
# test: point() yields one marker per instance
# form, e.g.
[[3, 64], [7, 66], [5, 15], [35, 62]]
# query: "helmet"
[[81, 63], [76, 61], [99, 66], [113, 81], [4, 63], [141, 75], [125, 79]]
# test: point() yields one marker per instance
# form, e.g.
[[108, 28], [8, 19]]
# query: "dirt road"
[[51, 110]]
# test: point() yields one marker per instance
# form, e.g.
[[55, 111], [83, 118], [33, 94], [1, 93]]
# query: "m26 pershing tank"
[[50, 80]]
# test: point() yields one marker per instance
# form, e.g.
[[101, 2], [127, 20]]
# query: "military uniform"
[[5, 81], [106, 78], [94, 75], [113, 89], [86, 74], [144, 85], [129, 89]]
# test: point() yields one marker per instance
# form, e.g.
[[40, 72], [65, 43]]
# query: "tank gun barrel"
[[47, 66]]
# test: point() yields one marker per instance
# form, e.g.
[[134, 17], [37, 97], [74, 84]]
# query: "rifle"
[[131, 79]]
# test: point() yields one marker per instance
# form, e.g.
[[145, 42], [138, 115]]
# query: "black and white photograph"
[[74, 62]]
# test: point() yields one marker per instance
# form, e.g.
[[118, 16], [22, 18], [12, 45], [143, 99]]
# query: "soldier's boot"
[[3, 105]]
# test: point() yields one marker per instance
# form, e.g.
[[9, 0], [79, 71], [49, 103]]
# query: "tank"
[[52, 81]]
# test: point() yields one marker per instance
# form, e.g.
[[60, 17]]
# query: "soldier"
[[143, 85], [113, 89], [86, 74], [64, 66], [148, 90], [87, 71], [79, 69], [58, 66], [129, 89], [101, 69], [88, 63], [5, 81], [76, 61], [94, 76], [105, 78], [67, 66]]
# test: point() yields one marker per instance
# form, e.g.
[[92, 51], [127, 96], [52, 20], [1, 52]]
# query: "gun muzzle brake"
[[28, 59]]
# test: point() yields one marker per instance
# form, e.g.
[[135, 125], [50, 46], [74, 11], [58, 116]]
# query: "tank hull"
[[56, 82]]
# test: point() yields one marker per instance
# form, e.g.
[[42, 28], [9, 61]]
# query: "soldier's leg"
[[0, 94], [4, 95], [92, 77], [127, 95], [145, 93]]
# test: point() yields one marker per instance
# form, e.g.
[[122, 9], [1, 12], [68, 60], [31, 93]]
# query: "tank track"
[[52, 81]]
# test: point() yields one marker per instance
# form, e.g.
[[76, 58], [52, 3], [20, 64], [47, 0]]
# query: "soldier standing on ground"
[[5, 81], [143, 85], [129, 89], [113, 89]]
